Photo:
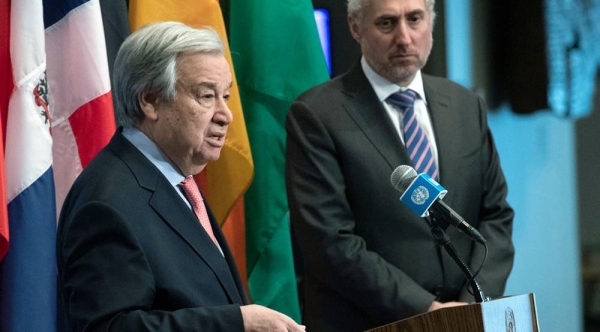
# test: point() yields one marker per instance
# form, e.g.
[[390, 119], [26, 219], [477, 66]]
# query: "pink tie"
[[193, 194]]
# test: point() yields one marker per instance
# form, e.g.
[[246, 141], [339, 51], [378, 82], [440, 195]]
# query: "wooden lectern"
[[507, 314]]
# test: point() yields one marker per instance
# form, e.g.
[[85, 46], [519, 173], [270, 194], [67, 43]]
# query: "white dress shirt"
[[384, 88]]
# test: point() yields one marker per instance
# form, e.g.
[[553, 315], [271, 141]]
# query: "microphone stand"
[[440, 237]]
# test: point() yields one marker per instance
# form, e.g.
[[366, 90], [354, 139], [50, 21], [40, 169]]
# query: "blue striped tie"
[[415, 140]]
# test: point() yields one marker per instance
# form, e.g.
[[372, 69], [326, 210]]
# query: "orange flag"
[[225, 181]]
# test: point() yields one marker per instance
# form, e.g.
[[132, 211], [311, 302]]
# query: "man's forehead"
[[395, 6], [206, 70]]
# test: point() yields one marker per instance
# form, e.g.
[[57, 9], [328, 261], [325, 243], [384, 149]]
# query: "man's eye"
[[414, 19], [226, 97], [203, 96], [207, 96], [386, 25], [205, 99]]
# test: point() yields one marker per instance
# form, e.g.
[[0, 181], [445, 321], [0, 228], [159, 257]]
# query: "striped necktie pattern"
[[415, 140]]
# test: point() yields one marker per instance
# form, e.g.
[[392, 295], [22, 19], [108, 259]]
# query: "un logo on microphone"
[[420, 195]]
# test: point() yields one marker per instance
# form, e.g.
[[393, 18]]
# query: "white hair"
[[356, 8], [147, 63]]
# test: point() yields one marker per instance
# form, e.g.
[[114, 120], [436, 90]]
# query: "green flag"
[[277, 56]]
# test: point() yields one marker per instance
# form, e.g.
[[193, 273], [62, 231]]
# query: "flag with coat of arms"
[[56, 112]]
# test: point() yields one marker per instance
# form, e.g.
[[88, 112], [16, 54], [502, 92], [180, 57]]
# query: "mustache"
[[404, 51], [403, 54]]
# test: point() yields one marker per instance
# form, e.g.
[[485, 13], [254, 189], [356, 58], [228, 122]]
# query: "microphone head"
[[402, 177]]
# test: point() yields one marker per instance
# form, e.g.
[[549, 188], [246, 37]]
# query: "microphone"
[[423, 194]]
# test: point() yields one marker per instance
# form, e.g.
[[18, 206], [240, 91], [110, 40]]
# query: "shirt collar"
[[384, 88], [154, 154]]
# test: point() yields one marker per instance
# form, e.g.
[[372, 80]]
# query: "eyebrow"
[[385, 17], [210, 85], [410, 13]]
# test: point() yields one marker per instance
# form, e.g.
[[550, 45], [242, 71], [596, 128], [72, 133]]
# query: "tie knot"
[[403, 99], [191, 189]]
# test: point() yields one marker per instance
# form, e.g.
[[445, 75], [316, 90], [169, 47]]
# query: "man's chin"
[[207, 156], [213, 155], [401, 75]]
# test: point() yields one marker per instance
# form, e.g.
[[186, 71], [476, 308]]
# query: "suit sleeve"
[[495, 220], [324, 227], [107, 284]]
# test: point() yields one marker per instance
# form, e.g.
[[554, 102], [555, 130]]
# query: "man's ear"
[[354, 28], [149, 105]]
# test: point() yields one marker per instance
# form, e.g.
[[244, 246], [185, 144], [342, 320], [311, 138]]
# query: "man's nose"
[[223, 115], [403, 33]]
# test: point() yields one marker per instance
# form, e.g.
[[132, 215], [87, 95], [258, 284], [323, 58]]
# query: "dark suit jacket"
[[367, 259], [132, 256]]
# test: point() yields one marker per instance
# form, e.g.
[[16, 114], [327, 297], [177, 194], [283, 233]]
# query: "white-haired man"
[[137, 247]]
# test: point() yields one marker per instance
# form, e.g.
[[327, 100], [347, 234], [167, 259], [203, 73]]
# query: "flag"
[[59, 116], [226, 179], [278, 55], [28, 271], [79, 86], [6, 86]]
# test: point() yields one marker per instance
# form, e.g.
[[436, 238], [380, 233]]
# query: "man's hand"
[[259, 318], [438, 305]]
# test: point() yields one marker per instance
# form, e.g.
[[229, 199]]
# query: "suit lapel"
[[233, 271], [171, 208], [445, 124], [366, 110], [442, 110], [183, 221]]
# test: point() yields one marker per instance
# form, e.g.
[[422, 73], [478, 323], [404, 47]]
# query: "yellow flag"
[[224, 181], [227, 179]]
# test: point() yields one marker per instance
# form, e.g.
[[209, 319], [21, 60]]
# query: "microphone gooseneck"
[[438, 214]]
